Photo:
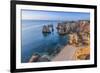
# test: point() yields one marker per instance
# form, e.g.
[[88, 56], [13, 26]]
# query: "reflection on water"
[[46, 34]]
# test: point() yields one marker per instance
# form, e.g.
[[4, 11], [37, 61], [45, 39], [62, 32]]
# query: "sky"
[[53, 15]]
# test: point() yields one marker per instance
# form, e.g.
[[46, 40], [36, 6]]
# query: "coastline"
[[78, 47], [69, 52]]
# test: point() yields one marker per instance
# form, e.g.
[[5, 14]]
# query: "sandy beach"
[[68, 53]]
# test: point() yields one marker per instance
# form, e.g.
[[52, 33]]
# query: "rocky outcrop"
[[82, 53], [44, 58], [46, 29], [62, 29], [83, 26], [73, 26], [38, 58], [34, 58], [85, 39], [73, 38], [65, 28], [78, 31]]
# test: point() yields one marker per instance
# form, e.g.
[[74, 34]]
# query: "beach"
[[68, 53]]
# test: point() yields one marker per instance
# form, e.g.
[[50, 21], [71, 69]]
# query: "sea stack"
[[46, 29]]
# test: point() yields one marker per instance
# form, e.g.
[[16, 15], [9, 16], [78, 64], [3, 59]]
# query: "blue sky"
[[52, 15]]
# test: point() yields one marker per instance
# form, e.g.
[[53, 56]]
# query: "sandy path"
[[66, 54]]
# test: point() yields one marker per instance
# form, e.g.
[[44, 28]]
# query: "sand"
[[67, 53]]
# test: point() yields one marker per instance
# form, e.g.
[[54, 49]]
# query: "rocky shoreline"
[[78, 35]]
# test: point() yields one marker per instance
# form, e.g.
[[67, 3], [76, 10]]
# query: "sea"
[[33, 41]]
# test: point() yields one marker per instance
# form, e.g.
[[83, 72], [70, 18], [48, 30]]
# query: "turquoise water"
[[34, 41]]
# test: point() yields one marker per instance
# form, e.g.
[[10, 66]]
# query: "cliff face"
[[75, 26], [78, 47], [73, 38], [82, 53], [84, 26], [79, 36], [78, 31]]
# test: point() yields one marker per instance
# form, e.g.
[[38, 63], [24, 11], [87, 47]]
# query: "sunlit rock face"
[[78, 31], [73, 26], [82, 53]]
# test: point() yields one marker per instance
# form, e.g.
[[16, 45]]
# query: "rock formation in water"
[[44, 58], [34, 58], [46, 29], [38, 58]]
